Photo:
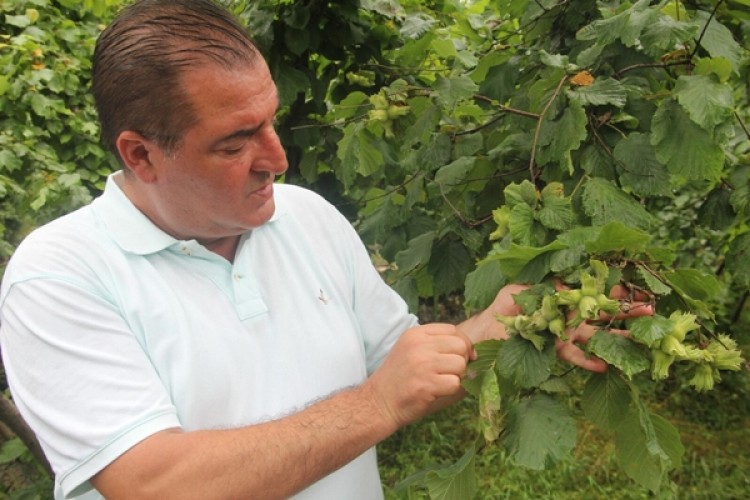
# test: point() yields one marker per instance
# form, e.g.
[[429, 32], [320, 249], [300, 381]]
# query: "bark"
[[9, 416]]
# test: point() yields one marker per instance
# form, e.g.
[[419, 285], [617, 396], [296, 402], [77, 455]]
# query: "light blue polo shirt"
[[112, 330]]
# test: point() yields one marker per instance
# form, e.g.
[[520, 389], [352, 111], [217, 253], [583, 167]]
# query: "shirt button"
[[237, 277]]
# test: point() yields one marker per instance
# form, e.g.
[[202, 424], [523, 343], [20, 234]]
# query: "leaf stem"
[[537, 132]]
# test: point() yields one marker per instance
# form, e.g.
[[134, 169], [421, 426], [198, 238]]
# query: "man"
[[197, 331]]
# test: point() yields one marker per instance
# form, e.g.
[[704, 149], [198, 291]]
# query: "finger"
[[635, 310], [622, 292], [573, 354]]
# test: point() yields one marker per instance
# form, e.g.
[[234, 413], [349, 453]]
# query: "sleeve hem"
[[76, 481]]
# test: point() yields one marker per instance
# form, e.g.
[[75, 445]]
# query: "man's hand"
[[570, 351], [484, 326], [422, 373]]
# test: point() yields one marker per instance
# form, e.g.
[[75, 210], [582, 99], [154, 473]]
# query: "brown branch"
[[506, 109], [538, 130], [10, 416], [705, 28], [664, 65], [742, 124]]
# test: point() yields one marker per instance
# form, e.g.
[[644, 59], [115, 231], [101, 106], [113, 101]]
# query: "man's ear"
[[137, 154]]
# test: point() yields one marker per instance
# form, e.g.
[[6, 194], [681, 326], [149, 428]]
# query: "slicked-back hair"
[[140, 57]]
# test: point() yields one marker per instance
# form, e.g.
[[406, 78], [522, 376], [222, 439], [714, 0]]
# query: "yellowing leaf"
[[582, 79]]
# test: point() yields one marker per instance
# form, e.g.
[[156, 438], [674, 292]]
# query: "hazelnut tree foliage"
[[476, 144]]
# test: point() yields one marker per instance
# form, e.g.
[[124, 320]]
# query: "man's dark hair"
[[140, 57]]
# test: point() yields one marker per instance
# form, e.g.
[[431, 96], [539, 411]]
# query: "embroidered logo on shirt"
[[322, 297]]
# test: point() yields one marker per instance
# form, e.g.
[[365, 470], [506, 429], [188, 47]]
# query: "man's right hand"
[[422, 373]]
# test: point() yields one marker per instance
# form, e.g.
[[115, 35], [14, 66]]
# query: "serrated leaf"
[[738, 260], [489, 407], [639, 168], [453, 482], [539, 431], [604, 91], [604, 202], [482, 284], [687, 149], [708, 102], [455, 172], [647, 447], [617, 237], [417, 253], [696, 288], [664, 33], [649, 330], [513, 260], [449, 264], [718, 40], [523, 193], [652, 283], [452, 90], [522, 363], [523, 227], [556, 213], [605, 400], [620, 352], [557, 138]]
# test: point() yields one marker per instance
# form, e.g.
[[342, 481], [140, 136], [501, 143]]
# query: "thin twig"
[[705, 28], [742, 124], [538, 130], [665, 65], [506, 109]]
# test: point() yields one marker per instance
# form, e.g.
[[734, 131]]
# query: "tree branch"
[[538, 130], [10, 416]]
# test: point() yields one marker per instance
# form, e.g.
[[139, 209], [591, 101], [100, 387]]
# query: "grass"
[[714, 428]]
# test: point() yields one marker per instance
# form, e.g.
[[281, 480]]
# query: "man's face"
[[217, 184]]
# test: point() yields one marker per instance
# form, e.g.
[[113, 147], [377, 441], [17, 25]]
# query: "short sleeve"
[[79, 377]]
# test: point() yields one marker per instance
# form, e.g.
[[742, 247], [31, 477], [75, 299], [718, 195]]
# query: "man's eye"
[[232, 151]]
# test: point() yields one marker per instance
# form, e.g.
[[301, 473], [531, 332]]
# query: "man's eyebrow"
[[245, 132], [238, 134]]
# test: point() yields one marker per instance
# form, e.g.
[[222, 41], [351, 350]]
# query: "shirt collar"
[[129, 227]]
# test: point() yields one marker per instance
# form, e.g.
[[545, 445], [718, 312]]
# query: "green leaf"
[[639, 168], [649, 330], [687, 149], [454, 482], [652, 283], [490, 419], [620, 352], [523, 364], [604, 202], [718, 40], [12, 450], [523, 227], [449, 264], [604, 91], [452, 90], [455, 172], [523, 193], [417, 253], [482, 284], [617, 237], [556, 211], [557, 138], [606, 399], [708, 102], [517, 257], [738, 260], [647, 447], [539, 431], [696, 288], [664, 33]]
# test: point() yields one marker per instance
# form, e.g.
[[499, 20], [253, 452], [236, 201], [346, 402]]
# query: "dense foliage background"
[[415, 118]]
